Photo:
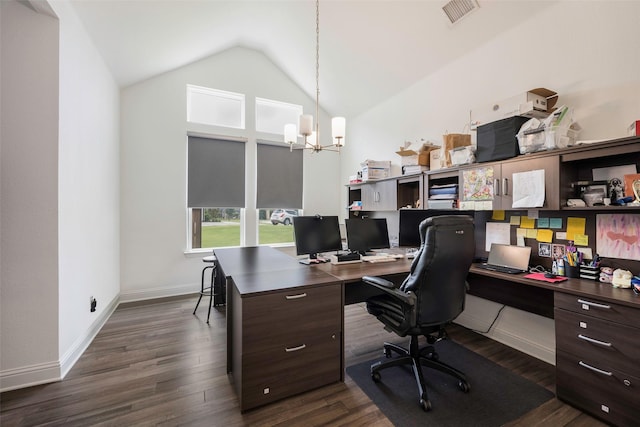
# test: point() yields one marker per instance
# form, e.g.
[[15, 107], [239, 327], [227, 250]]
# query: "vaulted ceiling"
[[369, 49]]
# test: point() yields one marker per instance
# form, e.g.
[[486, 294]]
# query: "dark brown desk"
[[262, 320]]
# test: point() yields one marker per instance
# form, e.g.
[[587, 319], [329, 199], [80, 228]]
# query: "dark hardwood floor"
[[157, 364]]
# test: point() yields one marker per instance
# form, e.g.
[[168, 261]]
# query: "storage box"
[[634, 128], [410, 157], [497, 140], [374, 169], [462, 155], [536, 103]]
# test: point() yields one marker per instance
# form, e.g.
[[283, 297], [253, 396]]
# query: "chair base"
[[418, 357]]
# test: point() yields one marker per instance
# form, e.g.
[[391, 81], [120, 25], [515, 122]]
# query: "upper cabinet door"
[[528, 188]]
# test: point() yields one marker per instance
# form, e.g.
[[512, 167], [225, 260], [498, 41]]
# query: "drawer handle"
[[290, 349], [302, 295], [591, 340], [594, 304], [599, 371]]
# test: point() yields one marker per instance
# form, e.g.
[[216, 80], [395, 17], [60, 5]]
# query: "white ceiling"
[[369, 49]]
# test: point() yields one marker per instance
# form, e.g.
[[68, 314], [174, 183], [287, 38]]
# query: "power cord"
[[538, 269], [492, 323]]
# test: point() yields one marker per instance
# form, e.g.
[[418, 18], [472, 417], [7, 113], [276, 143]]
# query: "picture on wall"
[[544, 250], [618, 236], [558, 251]]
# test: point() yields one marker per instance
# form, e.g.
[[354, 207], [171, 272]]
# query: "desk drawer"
[[594, 307], [285, 373], [613, 345], [280, 317], [610, 395]]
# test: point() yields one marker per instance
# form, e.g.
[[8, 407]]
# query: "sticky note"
[[575, 226], [498, 215], [532, 233], [543, 222], [532, 213], [555, 222], [581, 239], [561, 235], [515, 220], [545, 235], [521, 232], [526, 222]]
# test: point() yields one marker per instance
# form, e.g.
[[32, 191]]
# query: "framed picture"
[[632, 185], [544, 250], [558, 251]]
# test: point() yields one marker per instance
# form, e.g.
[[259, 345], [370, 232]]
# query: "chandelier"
[[305, 126]]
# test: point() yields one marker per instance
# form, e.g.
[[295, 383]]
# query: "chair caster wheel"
[[375, 376], [426, 404], [464, 386]]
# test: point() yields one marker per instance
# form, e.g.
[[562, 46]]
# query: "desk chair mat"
[[497, 395]]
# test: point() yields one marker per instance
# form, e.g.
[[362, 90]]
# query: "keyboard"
[[378, 258], [501, 269]]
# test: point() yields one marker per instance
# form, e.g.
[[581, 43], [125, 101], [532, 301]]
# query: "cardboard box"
[[537, 103], [411, 157], [374, 169], [634, 128]]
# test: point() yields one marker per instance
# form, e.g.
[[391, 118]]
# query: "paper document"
[[528, 189]]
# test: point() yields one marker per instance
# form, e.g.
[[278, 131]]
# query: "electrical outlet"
[[92, 304]]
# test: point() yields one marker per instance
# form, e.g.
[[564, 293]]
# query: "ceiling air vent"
[[457, 9]]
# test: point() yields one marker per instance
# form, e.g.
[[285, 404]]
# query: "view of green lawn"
[[216, 236]]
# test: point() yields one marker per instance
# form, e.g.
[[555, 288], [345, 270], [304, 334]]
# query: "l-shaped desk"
[[285, 324]]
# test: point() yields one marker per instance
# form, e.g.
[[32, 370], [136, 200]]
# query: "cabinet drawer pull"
[[302, 295], [594, 304], [496, 187], [599, 371], [290, 349], [591, 340], [505, 187]]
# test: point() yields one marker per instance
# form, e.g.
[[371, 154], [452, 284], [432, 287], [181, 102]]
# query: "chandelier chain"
[[317, 70]]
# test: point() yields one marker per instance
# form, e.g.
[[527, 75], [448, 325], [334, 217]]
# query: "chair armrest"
[[389, 288], [378, 282]]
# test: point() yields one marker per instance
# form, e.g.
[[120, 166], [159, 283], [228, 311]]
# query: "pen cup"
[[572, 271]]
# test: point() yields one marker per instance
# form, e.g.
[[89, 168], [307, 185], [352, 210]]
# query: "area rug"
[[497, 396]]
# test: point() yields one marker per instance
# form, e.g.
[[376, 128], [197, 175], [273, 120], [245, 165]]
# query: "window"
[[215, 191], [278, 192], [271, 116], [215, 107]]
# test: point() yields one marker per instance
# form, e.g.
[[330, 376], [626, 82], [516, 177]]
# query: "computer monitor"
[[316, 234], [410, 219], [365, 234]]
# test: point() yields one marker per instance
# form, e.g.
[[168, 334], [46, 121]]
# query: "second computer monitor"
[[365, 234]]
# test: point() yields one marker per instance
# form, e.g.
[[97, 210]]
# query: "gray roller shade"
[[216, 173], [279, 177]]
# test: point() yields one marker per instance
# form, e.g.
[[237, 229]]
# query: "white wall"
[[582, 50], [60, 192], [29, 214], [89, 188], [153, 167]]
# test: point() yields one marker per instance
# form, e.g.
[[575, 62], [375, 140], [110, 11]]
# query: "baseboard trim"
[[82, 343], [44, 373], [155, 293]]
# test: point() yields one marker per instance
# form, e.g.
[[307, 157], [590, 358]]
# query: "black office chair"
[[430, 297]]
